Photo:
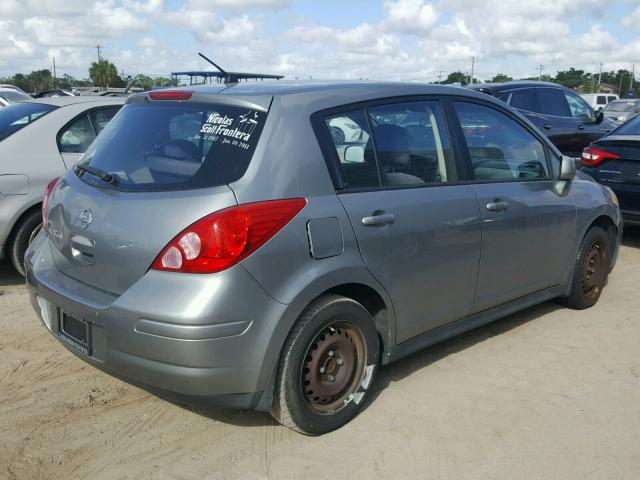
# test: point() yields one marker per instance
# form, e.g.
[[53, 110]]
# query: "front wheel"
[[590, 270], [327, 366]]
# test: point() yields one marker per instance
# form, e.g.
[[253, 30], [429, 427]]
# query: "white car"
[[598, 101], [10, 95]]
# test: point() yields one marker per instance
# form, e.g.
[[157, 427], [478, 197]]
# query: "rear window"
[[13, 97], [175, 146], [620, 107], [16, 117], [632, 127]]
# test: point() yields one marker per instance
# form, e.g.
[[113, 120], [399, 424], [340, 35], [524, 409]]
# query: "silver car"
[[216, 244], [39, 140]]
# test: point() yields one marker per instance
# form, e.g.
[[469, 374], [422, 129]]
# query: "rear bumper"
[[199, 339]]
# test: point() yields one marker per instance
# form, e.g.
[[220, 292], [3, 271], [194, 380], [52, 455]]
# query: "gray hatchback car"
[[224, 245]]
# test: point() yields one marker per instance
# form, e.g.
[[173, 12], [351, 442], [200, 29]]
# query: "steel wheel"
[[334, 367], [594, 270]]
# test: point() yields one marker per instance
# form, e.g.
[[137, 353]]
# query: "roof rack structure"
[[222, 75]]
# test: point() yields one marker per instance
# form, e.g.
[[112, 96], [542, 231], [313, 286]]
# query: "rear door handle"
[[580, 127], [497, 206], [381, 219]]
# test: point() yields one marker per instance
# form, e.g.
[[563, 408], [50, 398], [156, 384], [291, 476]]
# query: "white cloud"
[[410, 16]]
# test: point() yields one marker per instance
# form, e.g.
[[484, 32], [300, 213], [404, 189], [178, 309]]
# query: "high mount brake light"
[[224, 238], [592, 157], [170, 95], [45, 201]]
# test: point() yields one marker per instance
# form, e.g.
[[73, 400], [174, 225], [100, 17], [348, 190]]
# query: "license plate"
[[76, 333]]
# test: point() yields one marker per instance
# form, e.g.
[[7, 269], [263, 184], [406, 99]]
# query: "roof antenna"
[[228, 78]]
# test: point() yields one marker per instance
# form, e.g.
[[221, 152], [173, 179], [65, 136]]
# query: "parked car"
[[12, 87], [614, 161], [560, 113], [39, 139], [622, 110], [215, 246], [597, 101], [9, 96], [58, 92]]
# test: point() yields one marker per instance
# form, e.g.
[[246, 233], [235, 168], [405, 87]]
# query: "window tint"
[[162, 146], [102, 116], [18, 116], [632, 127], [499, 147], [601, 100], [579, 108], [77, 136], [411, 143], [504, 96], [351, 138], [551, 101], [524, 99]]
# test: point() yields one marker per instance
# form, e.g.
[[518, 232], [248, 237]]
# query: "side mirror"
[[354, 154], [567, 168]]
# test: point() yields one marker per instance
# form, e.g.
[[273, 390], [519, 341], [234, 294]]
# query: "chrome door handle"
[[497, 206], [580, 127], [381, 219]]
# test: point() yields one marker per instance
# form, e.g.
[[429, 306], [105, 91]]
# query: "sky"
[[410, 40]]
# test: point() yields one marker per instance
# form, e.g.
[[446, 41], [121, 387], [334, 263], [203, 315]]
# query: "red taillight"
[[170, 95], [220, 240], [45, 201], [592, 157]]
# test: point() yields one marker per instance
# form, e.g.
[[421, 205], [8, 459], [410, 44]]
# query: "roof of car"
[[513, 84], [321, 88], [67, 100]]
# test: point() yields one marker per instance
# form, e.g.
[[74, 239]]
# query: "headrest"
[[392, 143]]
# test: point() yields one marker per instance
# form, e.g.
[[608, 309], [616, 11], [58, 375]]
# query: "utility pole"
[[633, 76], [620, 86], [440, 76], [54, 72], [600, 75], [473, 64], [541, 67], [98, 47]]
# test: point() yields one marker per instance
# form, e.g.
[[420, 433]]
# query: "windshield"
[[13, 97], [632, 127], [620, 107], [175, 146], [17, 116]]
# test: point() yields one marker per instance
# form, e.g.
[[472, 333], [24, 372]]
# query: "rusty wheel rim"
[[594, 270], [333, 367]]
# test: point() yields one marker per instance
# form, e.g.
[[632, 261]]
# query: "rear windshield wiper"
[[96, 172]]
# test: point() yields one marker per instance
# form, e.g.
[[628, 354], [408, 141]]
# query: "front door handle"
[[580, 127], [546, 126], [381, 219], [497, 206]]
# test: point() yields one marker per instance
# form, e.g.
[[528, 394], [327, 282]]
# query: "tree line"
[[103, 74], [579, 80]]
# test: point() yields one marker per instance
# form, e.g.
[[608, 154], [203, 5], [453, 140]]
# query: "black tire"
[[24, 233], [334, 346], [590, 270]]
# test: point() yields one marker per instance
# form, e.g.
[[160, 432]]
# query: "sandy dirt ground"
[[547, 393]]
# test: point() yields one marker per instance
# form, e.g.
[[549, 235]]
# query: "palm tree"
[[103, 73]]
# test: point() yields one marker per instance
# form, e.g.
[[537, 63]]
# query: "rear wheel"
[[590, 271], [326, 367], [24, 234]]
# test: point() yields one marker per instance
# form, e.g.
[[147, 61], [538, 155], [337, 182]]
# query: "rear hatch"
[[164, 165]]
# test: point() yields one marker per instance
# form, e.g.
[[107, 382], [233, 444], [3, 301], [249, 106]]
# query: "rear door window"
[[176, 145], [77, 136], [16, 117], [579, 108], [411, 143], [100, 117], [524, 99], [551, 101], [499, 147], [601, 100]]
